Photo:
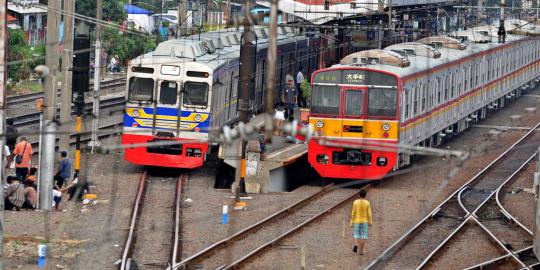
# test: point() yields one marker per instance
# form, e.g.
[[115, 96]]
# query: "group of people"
[[20, 190]]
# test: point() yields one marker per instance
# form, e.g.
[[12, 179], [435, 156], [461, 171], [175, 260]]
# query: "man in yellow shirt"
[[360, 218]]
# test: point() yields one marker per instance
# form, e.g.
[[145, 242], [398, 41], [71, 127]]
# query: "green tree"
[[20, 56], [113, 10], [126, 45]]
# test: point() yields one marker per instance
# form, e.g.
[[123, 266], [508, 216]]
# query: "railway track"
[[417, 247], [33, 118], [243, 246], [19, 99], [104, 131], [154, 237]]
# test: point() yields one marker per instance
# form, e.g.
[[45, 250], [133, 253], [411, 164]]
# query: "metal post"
[[94, 142], [46, 164], [271, 72], [247, 54], [3, 89], [536, 186], [65, 104], [181, 18]]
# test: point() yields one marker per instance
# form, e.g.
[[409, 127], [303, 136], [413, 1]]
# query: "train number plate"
[[357, 129]]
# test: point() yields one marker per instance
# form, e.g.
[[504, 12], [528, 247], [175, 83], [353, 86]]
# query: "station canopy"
[[313, 10]]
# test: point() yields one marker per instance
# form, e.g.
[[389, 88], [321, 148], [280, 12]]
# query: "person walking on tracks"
[[360, 218]]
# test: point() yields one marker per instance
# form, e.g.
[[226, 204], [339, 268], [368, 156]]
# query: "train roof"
[[213, 48], [420, 63]]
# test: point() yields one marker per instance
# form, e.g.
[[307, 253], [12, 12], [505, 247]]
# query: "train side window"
[[141, 89], [354, 103], [382, 102], [168, 92], [195, 93]]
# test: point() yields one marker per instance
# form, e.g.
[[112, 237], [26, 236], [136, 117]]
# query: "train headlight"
[[198, 118], [322, 159], [381, 161], [136, 113], [386, 127], [319, 124]]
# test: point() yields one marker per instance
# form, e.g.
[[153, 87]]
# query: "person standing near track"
[[290, 98], [23, 156], [360, 218]]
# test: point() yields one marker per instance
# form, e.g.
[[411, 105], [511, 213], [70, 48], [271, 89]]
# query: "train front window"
[[382, 102], [195, 93], [141, 89], [354, 103], [168, 93], [325, 99]]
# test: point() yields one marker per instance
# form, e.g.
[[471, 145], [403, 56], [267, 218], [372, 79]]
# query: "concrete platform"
[[262, 170]]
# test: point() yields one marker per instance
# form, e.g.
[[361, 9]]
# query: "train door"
[[352, 111], [168, 106]]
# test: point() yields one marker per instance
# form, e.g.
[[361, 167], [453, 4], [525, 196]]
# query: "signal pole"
[[3, 89], [65, 108], [271, 74], [46, 164], [94, 142], [502, 32], [248, 50]]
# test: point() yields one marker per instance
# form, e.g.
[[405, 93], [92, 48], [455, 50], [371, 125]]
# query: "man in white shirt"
[[299, 80], [7, 153]]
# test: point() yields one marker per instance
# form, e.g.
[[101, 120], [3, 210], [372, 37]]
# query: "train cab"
[[167, 115], [354, 112]]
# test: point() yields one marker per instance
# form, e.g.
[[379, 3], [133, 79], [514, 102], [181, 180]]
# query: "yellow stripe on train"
[[355, 128], [141, 114]]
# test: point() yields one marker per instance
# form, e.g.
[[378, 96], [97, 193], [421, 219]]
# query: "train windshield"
[[382, 102], [141, 89], [167, 93], [354, 103], [195, 93], [326, 99]]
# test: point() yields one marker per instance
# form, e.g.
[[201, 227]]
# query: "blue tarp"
[[131, 9]]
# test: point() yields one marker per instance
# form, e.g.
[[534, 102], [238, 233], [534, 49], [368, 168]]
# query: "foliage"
[[113, 10], [20, 56], [126, 46], [306, 89]]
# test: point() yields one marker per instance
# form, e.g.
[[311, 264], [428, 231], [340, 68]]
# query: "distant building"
[[31, 17]]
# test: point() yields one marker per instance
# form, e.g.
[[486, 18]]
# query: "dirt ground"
[[92, 238]]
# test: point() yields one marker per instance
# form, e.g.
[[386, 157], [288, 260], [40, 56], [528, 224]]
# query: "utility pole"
[[271, 72], [181, 18], [94, 142], [65, 104], [3, 90], [502, 32], [248, 51], [46, 164]]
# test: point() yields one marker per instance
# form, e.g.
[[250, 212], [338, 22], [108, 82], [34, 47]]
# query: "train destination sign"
[[359, 77]]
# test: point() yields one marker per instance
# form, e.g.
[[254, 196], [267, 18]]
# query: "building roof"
[[27, 9], [11, 18], [131, 9]]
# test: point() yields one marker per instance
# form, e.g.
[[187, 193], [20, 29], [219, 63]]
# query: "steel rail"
[[250, 228], [494, 260], [256, 251], [394, 247], [176, 252], [73, 135], [135, 213], [18, 99], [472, 216], [507, 213], [33, 118]]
